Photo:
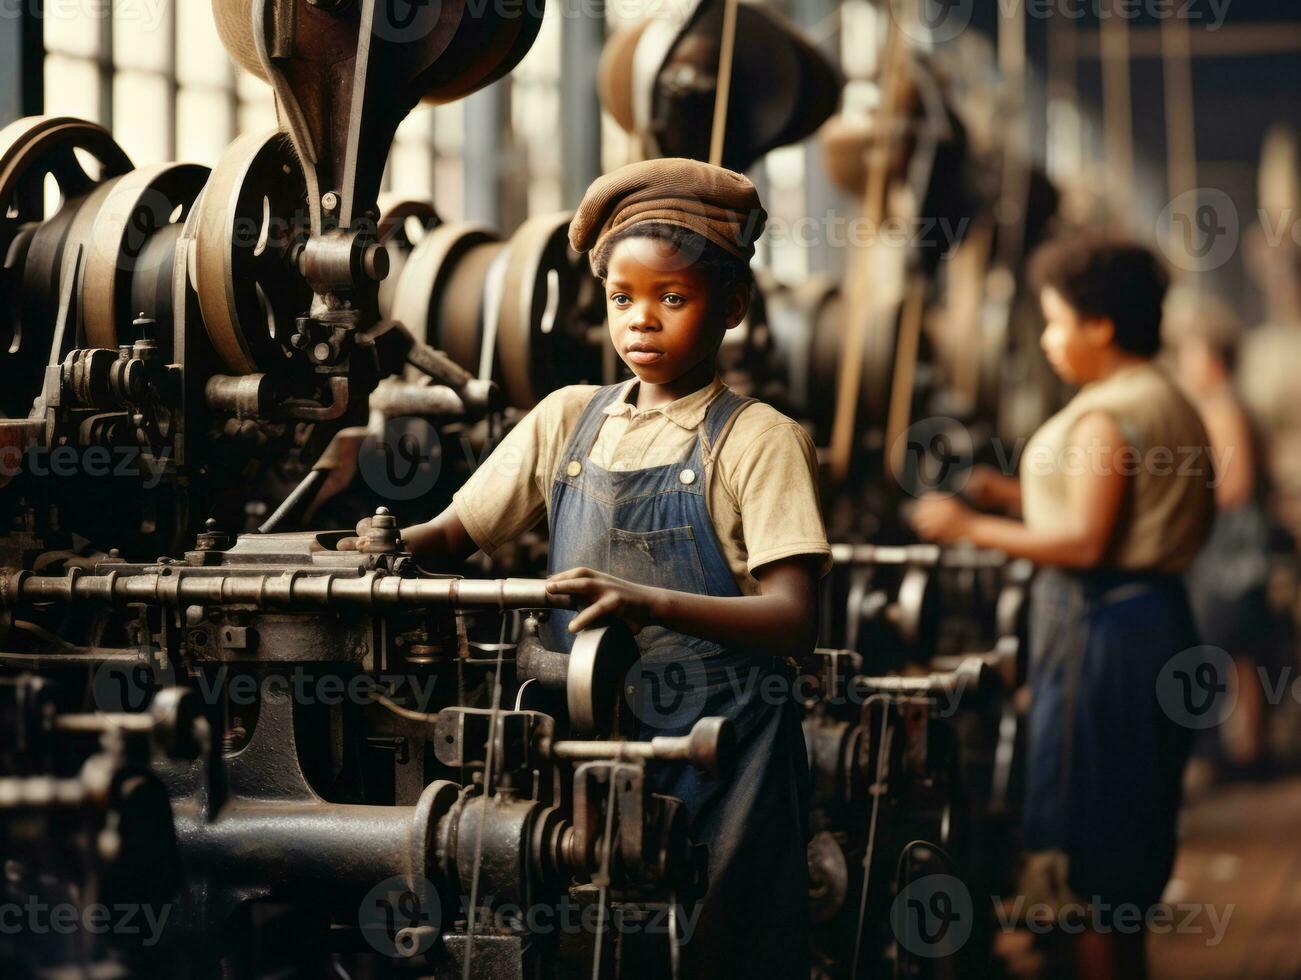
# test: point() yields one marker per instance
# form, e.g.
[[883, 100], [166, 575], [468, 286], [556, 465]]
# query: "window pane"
[[449, 189], [250, 87], [200, 58], [449, 128], [418, 126], [142, 35], [258, 116], [73, 26], [139, 104], [203, 124], [411, 167], [71, 87]]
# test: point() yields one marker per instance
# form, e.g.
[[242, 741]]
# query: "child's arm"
[[1095, 496], [504, 495], [441, 540], [781, 621]]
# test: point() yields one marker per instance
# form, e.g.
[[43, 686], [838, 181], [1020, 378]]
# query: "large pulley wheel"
[[540, 288], [56, 146], [76, 157], [439, 296], [252, 216], [137, 207], [403, 224]]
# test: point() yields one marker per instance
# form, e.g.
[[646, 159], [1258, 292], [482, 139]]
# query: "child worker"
[[691, 514], [1115, 497]]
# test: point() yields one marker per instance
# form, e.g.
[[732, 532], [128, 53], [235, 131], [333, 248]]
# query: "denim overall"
[[652, 526]]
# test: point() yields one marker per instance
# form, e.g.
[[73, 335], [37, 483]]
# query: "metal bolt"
[[330, 201]]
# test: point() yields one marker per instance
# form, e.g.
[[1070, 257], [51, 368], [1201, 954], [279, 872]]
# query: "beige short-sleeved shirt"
[[763, 492]]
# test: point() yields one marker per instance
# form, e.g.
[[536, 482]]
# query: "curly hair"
[[723, 269], [1117, 280]]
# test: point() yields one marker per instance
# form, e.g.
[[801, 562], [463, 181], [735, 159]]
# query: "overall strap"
[[720, 415], [580, 442]]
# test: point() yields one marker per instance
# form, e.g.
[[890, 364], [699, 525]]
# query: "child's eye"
[[618, 299], [674, 299]]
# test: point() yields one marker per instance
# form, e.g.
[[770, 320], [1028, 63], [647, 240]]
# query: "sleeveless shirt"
[[1169, 503]]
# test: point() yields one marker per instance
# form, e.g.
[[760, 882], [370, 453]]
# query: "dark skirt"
[[1105, 757]]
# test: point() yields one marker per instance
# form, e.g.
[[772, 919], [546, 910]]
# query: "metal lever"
[[710, 746]]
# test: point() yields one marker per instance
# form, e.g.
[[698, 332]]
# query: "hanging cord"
[[949, 866], [675, 950], [723, 89], [603, 880], [871, 827], [483, 809]]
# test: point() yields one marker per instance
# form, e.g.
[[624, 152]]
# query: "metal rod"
[[723, 88], [299, 499], [289, 590]]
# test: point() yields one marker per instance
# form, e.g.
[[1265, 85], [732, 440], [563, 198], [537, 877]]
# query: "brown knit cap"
[[722, 205]]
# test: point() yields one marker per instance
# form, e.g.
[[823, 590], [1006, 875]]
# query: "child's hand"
[[940, 518], [353, 544], [604, 597], [986, 487]]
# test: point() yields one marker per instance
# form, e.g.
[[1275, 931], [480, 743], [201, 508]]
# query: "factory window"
[[128, 64]]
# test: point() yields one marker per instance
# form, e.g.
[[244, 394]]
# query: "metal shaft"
[[289, 590]]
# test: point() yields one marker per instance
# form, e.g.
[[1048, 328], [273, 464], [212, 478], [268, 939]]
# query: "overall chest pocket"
[[666, 558]]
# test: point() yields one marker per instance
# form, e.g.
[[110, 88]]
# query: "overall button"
[[687, 476], [574, 467]]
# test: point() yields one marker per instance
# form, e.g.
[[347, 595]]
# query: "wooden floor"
[[1240, 851], [1239, 865]]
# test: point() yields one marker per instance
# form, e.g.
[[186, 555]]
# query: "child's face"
[[664, 313], [1075, 346]]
